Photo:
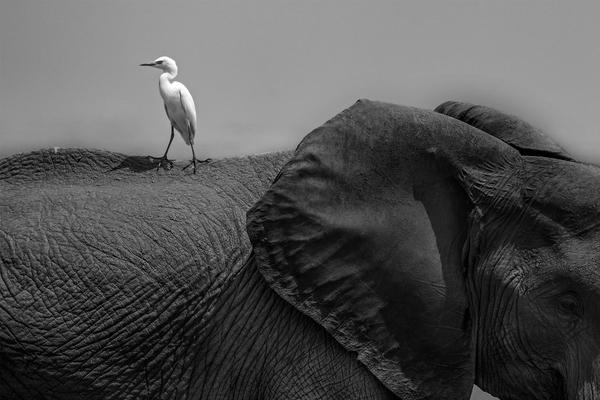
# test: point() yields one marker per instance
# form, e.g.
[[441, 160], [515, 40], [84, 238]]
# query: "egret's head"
[[166, 64]]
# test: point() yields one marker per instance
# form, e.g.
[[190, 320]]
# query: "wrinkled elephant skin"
[[117, 282]]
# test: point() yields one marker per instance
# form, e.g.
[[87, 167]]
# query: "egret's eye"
[[159, 62]]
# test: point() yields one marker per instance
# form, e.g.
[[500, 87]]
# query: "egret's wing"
[[189, 109], [172, 120]]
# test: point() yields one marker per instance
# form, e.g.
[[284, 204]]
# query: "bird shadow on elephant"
[[138, 164]]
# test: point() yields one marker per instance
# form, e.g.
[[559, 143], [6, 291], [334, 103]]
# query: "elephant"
[[397, 253], [118, 282]]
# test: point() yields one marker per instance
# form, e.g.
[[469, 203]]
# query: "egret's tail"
[[189, 137]]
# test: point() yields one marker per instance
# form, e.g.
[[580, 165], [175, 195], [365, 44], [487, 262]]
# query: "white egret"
[[179, 106]]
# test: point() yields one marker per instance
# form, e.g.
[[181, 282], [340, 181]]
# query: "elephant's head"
[[443, 252]]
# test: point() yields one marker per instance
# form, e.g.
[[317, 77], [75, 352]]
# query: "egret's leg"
[[193, 162], [193, 157], [164, 158], [191, 137], [170, 141]]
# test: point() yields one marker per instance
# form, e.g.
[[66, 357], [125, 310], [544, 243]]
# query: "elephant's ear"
[[508, 128], [365, 229]]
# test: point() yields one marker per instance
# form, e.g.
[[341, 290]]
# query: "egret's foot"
[[194, 161], [162, 162]]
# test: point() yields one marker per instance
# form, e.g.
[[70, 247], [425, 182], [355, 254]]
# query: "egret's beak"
[[148, 65]]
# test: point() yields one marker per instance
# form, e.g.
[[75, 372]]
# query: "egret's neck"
[[168, 76], [165, 82]]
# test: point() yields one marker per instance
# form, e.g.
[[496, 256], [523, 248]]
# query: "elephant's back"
[[97, 209], [98, 258], [78, 166]]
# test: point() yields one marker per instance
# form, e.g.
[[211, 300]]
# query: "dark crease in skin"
[[263, 349]]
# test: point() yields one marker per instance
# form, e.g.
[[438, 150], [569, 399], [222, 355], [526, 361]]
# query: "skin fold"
[[396, 253]]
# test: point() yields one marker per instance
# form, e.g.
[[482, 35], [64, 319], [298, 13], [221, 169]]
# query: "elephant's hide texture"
[[107, 270], [364, 231]]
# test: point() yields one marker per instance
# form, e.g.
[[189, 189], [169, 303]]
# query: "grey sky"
[[264, 73]]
